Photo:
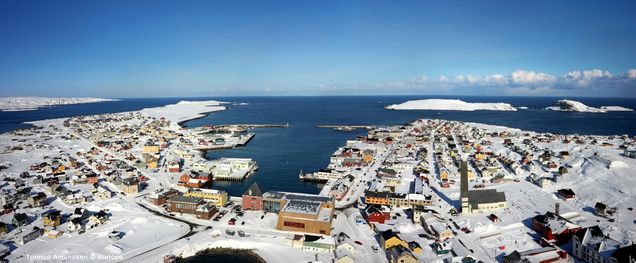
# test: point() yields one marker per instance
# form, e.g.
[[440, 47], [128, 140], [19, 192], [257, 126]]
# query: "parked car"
[[358, 242], [232, 221]]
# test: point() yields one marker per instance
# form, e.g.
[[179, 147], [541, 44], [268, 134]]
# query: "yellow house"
[[415, 247], [53, 219], [151, 148], [216, 197], [443, 175], [376, 198], [151, 161], [367, 158], [389, 239], [401, 255], [58, 170]]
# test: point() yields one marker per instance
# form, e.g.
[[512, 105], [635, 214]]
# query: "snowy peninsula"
[[185, 110], [575, 106], [450, 104], [34, 103]]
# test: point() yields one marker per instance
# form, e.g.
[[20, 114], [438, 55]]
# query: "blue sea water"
[[282, 152]]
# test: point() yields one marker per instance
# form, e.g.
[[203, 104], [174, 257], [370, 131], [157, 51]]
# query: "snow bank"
[[450, 104], [617, 164], [185, 110], [34, 103], [575, 106]]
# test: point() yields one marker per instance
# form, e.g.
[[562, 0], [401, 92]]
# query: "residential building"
[[592, 246], [30, 236], [253, 198], [549, 254], [400, 254], [20, 219], [389, 239], [37, 200], [53, 219], [130, 185]]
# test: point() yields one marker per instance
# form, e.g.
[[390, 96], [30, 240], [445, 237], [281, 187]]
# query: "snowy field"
[[34, 103]]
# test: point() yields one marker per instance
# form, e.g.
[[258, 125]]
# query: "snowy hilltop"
[[575, 106], [34, 103], [450, 104]]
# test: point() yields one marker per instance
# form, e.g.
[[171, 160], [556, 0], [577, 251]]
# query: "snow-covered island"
[[576, 106], [34, 103], [450, 104]]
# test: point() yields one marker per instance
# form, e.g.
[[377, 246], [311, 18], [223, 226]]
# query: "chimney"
[[556, 208]]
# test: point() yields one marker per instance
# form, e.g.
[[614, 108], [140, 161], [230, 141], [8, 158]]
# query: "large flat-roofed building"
[[301, 212], [191, 205], [183, 204], [215, 197]]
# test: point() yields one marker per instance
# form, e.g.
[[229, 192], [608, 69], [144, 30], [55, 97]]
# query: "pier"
[[346, 127], [286, 125]]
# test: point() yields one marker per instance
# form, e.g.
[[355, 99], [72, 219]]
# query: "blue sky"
[[217, 48]]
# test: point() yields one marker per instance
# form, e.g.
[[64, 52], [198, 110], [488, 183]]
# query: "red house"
[[253, 198], [376, 214], [194, 179], [174, 167], [568, 194], [92, 178], [162, 198], [554, 228]]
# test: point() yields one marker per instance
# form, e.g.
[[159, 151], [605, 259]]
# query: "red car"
[[232, 221]]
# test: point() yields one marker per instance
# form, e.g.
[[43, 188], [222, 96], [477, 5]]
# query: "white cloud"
[[593, 82], [586, 77], [525, 77], [631, 73]]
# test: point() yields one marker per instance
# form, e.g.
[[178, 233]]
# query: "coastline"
[[185, 112]]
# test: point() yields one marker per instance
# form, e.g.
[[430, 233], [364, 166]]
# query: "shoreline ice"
[[34, 103], [450, 104]]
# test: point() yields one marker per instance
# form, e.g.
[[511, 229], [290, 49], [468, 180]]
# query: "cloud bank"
[[592, 82]]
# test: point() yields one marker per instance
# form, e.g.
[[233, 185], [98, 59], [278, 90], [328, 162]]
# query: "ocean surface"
[[282, 152]]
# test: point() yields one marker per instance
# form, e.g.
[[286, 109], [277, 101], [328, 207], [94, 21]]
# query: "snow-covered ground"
[[615, 108], [597, 172], [576, 106], [34, 103], [185, 110], [450, 104], [141, 231]]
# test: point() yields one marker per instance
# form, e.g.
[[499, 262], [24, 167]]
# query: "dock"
[[244, 139], [233, 128], [346, 127], [260, 125]]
